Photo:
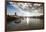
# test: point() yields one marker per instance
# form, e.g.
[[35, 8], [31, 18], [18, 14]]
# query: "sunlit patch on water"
[[27, 20]]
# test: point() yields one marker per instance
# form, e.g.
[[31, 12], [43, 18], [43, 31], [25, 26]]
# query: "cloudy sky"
[[24, 9]]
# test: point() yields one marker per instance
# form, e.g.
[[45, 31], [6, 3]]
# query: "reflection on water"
[[26, 23]]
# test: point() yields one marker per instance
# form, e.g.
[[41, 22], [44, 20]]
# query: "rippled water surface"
[[26, 23]]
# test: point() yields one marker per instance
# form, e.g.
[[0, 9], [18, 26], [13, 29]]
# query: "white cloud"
[[22, 12]]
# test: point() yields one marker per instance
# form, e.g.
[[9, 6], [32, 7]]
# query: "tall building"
[[15, 14]]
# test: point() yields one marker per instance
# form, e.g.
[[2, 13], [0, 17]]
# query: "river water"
[[25, 24]]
